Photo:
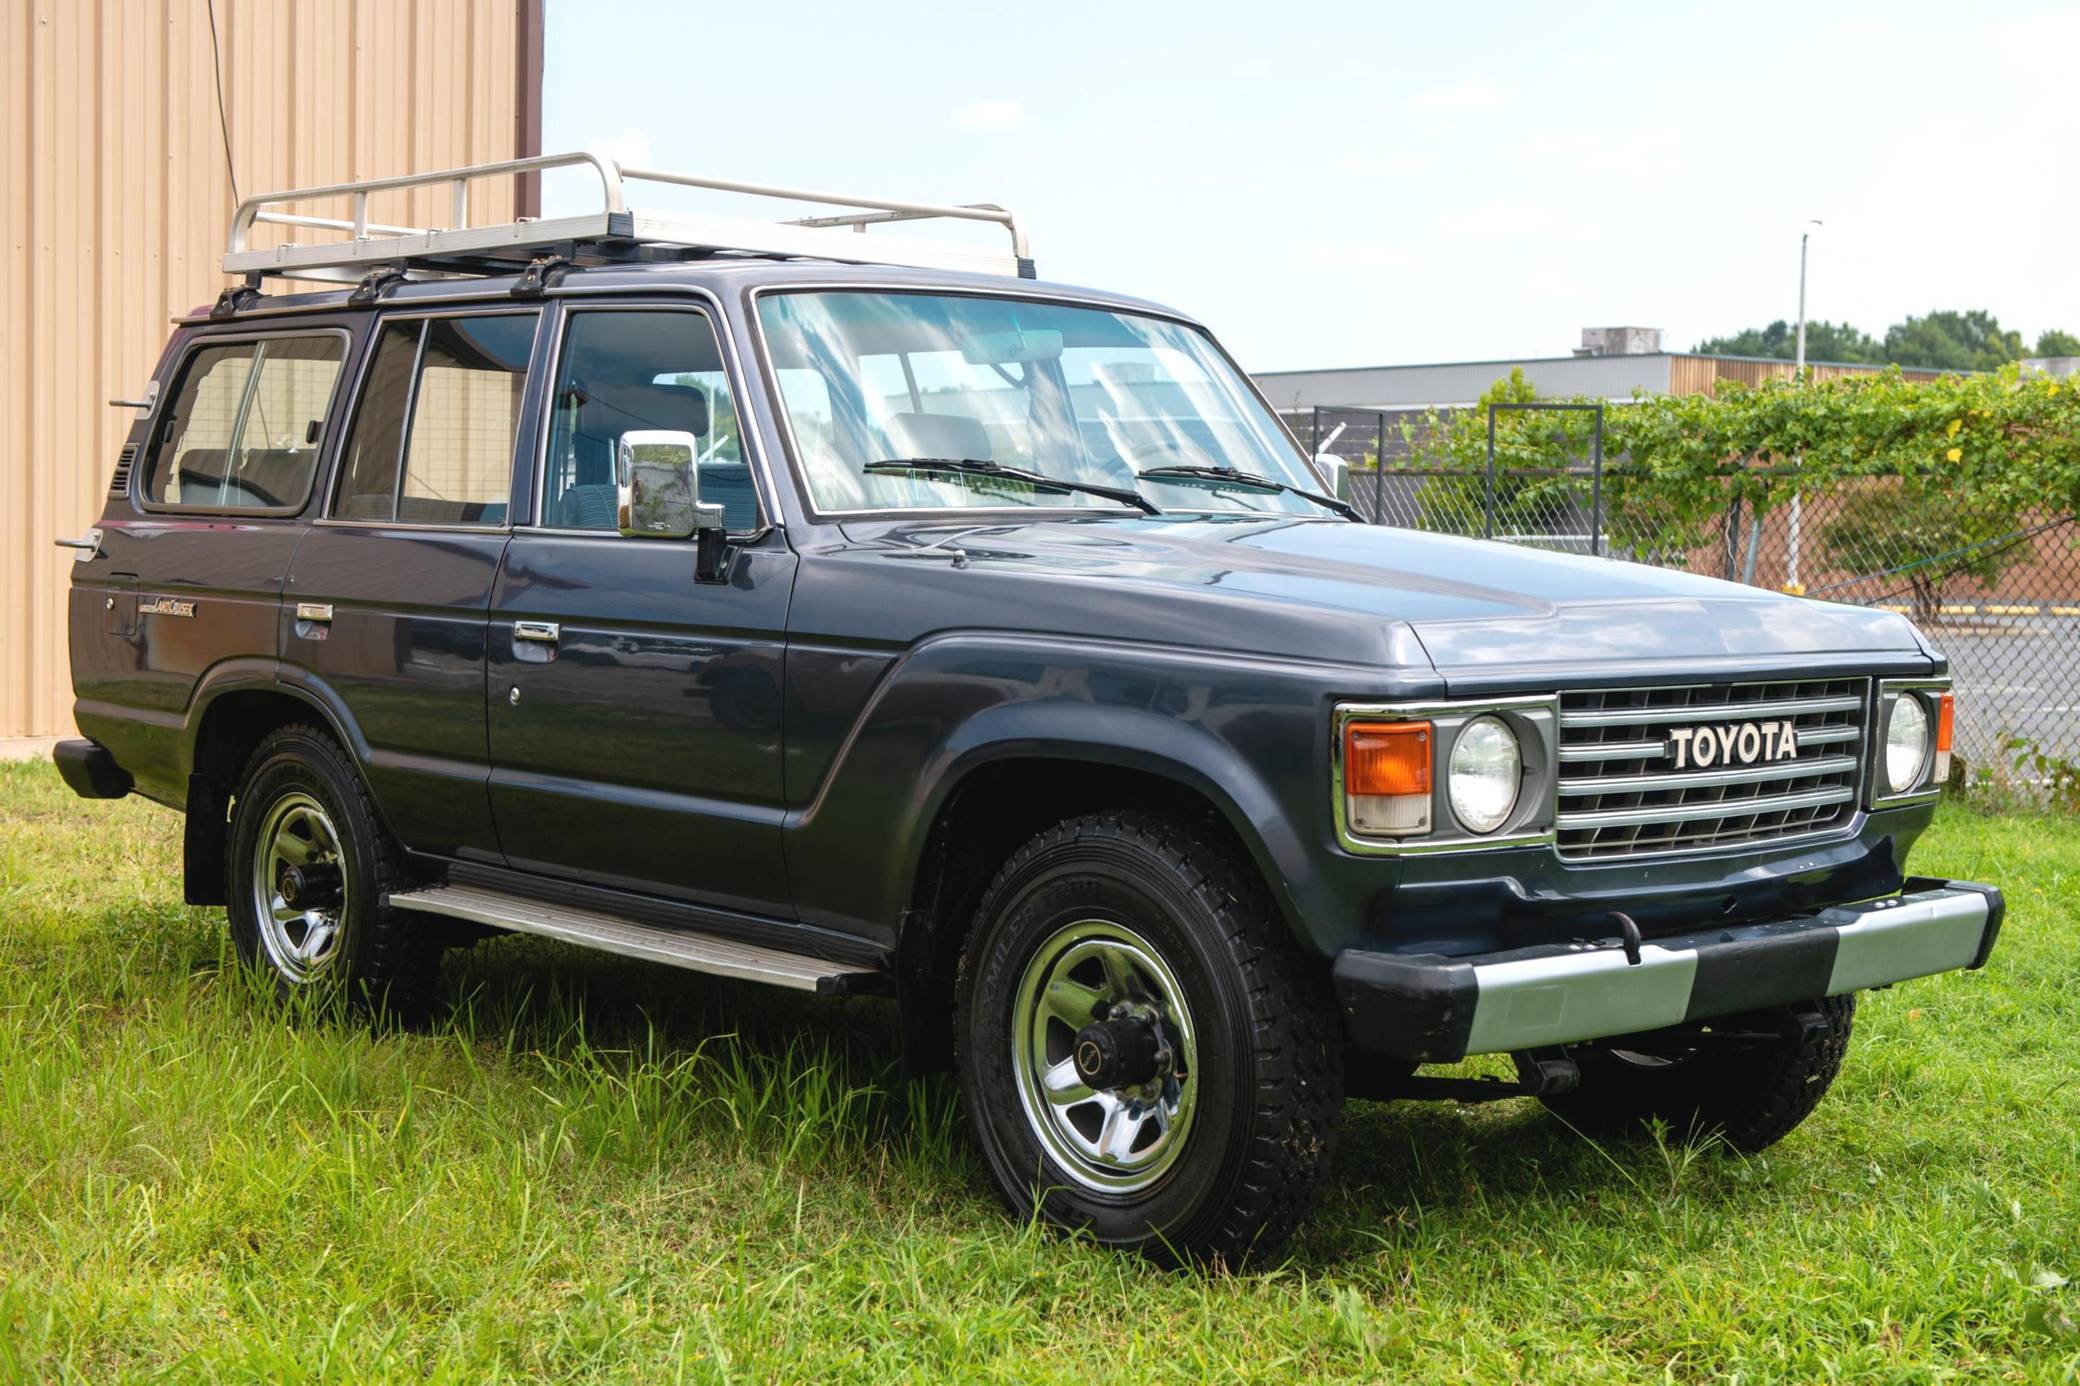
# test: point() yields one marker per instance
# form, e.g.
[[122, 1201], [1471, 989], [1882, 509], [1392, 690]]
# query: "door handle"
[[88, 544], [320, 612], [541, 632]]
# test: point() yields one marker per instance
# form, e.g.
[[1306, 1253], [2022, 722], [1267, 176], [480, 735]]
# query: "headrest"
[[623, 408], [938, 435]]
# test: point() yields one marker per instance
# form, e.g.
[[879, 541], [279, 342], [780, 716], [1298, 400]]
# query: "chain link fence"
[[2004, 606]]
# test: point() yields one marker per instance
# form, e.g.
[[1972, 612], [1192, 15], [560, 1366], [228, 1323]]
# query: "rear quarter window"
[[245, 425]]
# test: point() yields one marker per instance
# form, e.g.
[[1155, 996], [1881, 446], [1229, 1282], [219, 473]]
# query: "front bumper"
[[1437, 1009]]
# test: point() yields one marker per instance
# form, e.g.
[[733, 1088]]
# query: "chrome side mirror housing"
[[657, 486], [1336, 472]]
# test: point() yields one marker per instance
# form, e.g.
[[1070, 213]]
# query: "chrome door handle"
[[320, 612], [541, 632], [89, 545]]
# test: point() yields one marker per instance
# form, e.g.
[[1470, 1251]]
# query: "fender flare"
[[1120, 737], [269, 676]]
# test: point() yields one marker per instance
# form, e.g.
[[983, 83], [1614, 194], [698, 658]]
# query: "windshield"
[[1082, 395]]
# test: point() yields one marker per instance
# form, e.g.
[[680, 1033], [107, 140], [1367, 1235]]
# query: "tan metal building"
[[115, 196]]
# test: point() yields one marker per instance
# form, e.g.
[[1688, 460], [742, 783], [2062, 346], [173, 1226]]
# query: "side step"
[[719, 957]]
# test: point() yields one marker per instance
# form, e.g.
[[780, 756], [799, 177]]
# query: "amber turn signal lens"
[[1386, 758], [1946, 714]]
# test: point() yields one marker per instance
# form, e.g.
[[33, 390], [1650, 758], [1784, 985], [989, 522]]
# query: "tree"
[[1913, 533], [2056, 343], [1951, 341], [1825, 341]]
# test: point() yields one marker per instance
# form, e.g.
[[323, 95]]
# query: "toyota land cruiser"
[[803, 604]]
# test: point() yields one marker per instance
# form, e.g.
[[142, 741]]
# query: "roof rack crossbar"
[[611, 231]]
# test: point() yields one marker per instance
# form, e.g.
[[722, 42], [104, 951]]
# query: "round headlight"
[[1906, 743], [1484, 773]]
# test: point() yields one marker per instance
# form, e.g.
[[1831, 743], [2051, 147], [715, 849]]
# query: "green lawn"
[[592, 1168]]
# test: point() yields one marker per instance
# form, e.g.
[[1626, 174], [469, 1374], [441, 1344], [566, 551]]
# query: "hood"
[[1484, 612]]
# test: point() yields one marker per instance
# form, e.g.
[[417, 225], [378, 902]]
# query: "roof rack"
[[615, 233]]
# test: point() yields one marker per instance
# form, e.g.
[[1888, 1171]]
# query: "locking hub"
[[1123, 1052], [312, 886]]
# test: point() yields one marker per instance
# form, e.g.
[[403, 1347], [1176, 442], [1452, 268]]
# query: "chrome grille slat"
[[1706, 712], [1683, 813], [1623, 796], [1766, 773]]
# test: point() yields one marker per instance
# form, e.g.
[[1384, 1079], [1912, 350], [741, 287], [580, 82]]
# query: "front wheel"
[[1144, 1051]]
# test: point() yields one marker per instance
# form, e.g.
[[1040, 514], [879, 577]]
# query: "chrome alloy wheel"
[[299, 887], [1104, 1057]]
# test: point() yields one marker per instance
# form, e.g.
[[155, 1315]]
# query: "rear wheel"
[[308, 866], [1752, 1095], [1144, 1051]]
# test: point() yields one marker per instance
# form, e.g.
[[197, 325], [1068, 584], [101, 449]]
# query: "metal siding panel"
[[113, 205]]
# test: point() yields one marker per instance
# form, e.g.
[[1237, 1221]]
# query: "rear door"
[[389, 594], [635, 710]]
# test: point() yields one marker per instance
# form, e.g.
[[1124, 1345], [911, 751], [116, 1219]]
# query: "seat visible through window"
[[640, 370]]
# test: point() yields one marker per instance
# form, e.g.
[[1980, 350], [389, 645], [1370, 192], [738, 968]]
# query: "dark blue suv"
[[990, 645]]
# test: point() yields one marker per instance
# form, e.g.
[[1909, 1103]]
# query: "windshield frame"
[[1069, 506]]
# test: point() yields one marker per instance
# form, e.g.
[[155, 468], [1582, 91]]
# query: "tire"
[[1217, 1157], [1752, 1097], [301, 797]]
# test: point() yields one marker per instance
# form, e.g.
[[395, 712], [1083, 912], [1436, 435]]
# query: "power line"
[[216, 56]]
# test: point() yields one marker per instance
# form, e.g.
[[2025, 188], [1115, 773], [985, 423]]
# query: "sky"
[[1332, 184]]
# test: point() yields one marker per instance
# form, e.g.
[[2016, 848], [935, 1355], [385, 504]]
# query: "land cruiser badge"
[[1735, 743], [166, 606]]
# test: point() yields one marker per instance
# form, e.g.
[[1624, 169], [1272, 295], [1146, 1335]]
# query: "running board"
[[719, 957]]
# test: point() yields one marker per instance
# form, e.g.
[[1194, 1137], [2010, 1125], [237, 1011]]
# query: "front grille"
[[1622, 795]]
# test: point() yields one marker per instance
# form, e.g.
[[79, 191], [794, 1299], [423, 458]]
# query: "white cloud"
[[994, 114], [1408, 161], [1616, 153], [1365, 255], [1492, 222], [630, 149], [1473, 94]]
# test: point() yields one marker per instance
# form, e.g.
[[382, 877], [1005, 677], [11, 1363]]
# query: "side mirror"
[[1337, 472], [657, 487]]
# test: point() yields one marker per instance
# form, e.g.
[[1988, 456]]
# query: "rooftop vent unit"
[[1620, 341], [347, 250]]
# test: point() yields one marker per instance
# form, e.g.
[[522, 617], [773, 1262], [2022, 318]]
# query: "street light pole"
[[1798, 375]]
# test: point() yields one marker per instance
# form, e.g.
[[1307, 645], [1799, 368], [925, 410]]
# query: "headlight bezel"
[[1534, 720], [1929, 695]]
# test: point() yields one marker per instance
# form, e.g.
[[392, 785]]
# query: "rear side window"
[[433, 437], [245, 424]]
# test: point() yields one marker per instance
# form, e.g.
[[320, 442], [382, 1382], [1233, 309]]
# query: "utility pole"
[[1798, 375]]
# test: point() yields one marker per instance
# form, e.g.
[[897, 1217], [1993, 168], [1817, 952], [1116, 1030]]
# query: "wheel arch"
[[998, 796], [235, 712]]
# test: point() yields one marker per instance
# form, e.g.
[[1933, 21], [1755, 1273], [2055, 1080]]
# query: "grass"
[[594, 1169]]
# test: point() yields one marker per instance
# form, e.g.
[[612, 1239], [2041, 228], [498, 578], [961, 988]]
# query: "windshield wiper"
[[973, 466], [1233, 477]]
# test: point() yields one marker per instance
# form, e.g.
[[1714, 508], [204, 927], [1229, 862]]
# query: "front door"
[[389, 594], [634, 709]]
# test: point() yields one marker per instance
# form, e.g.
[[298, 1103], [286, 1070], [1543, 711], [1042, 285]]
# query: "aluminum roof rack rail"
[[614, 233]]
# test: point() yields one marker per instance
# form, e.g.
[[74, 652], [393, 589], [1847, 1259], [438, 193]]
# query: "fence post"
[[1488, 501], [1379, 473], [1596, 490]]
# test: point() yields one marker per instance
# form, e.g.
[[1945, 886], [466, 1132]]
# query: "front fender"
[[1249, 734]]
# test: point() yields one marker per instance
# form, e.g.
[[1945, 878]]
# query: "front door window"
[[626, 371]]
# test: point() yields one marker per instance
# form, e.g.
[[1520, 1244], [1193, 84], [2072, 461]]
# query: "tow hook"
[[1631, 936]]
